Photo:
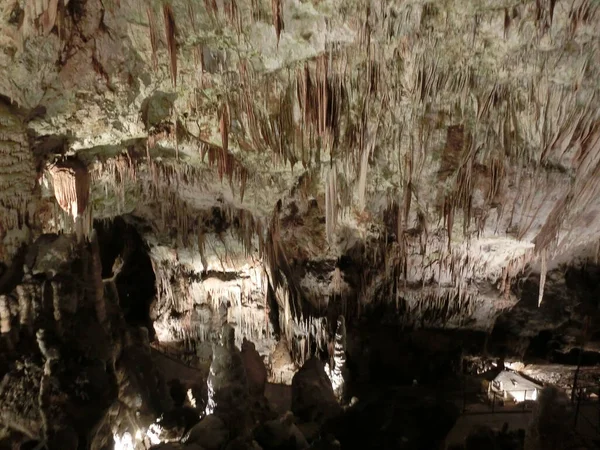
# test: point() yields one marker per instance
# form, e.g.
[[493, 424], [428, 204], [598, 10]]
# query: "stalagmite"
[[227, 384], [338, 361], [26, 314], [5, 316]]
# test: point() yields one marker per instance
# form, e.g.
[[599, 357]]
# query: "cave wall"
[[285, 166]]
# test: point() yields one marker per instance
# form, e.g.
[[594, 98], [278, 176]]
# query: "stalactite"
[[277, 18], [211, 7], [71, 182], [232, 13], [224, 128], [153, 35], [170, 32], [542, 278], [331, 206]]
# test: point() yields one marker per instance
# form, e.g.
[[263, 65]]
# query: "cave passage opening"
[[125, 260]]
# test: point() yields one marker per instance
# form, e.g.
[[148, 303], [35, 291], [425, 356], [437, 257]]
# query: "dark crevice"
[[125, 258], [273, 311], [222, 276]]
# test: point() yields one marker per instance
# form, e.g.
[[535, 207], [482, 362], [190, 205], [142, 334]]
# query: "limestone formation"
[[336, 370], [227, 384], [274, 166]]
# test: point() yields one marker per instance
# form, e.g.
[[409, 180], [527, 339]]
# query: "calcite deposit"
[[321, 177]]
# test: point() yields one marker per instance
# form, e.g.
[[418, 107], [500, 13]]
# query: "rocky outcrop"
[[313, 399]]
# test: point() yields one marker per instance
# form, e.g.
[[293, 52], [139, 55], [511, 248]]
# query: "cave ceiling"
[[423, 153]]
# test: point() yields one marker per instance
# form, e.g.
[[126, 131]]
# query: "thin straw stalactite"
[[153, 35], [277, 18]]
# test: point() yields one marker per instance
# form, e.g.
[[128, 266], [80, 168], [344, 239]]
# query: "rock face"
[[284, 163], [74, 365], [17, 184], [313, 399]]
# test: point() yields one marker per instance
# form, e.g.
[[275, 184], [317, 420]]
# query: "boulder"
[[210, 433], [281, 433], [313, 399]]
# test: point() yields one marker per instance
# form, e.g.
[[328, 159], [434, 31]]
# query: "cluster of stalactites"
[[71, 181]]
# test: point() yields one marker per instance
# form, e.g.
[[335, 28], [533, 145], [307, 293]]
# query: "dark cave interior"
[[122, 249]]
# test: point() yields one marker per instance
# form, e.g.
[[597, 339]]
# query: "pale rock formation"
[[446, 189], [281, 366], [71, 183], [336, 367]]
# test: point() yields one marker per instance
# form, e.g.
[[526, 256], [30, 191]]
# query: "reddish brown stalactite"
[[224, 127], [170, 32], [277, 18], [211, 7], [153, 35]]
